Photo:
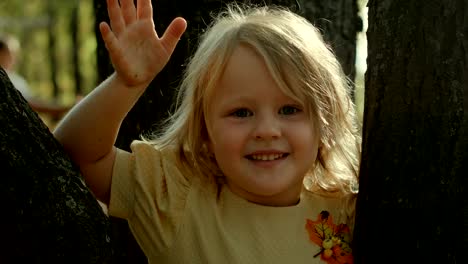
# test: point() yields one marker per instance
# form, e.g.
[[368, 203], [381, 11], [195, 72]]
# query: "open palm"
[[135, 49]]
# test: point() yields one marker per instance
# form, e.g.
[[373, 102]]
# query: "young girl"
[[259, 162]]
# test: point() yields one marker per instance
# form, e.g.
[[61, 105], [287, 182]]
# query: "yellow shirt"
[[183, 219]]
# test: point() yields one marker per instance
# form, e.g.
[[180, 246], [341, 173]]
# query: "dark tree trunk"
[[413, 206], [339, 22], [104, 66], [52, 48], [48, 214], [74, 29]]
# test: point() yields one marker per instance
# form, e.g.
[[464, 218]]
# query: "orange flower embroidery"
[[333, 240]]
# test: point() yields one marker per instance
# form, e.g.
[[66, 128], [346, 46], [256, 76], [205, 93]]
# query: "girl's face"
[[263, 141]]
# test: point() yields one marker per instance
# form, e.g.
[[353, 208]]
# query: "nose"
[[267, 127]]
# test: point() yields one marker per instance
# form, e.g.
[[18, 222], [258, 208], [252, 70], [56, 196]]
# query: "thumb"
[[173, 33]]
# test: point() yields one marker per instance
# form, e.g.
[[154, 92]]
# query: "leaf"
[[333, 240]]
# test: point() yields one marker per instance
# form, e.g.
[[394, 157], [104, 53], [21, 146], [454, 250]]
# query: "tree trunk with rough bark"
[[413, 206], [48, 214], [339, 22]]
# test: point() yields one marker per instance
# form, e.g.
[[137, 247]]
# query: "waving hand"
[[89, 130], [135, 49]]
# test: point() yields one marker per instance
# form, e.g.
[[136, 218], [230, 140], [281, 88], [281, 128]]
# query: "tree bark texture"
[[339, 23], [52, 47], [48, 214], [413, 206], [75, 21], [104, 65]]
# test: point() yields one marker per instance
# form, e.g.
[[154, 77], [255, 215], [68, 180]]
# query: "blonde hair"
[[304, 68]]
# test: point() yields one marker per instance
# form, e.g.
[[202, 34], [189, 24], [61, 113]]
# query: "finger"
[[173, 33], [128, 11], [144, 9], [110, 40], [117, 22]]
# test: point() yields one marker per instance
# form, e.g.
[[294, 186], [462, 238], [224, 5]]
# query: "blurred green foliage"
[[34, 22]]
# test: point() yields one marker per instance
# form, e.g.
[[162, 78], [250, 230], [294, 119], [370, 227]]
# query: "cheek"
[[227, 155], [226, 142], [305, 138]]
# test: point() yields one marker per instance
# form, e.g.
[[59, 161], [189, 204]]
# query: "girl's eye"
[[243, 112], [289, 110]]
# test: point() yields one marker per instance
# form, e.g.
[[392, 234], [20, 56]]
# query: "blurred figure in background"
[[9, 48]]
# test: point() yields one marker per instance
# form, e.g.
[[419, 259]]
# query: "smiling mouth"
[[266, 157]]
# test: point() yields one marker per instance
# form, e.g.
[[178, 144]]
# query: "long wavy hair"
[[303, 66]]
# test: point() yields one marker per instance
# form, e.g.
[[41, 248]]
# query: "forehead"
[[243, 67], [246, 75]]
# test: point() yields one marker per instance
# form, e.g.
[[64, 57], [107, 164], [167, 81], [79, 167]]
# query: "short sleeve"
[[149, 190]]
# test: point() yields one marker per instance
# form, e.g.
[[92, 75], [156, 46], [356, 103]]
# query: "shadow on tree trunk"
[[49, 215]]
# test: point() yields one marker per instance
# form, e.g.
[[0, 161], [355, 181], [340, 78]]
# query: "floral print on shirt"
[[333, 240]]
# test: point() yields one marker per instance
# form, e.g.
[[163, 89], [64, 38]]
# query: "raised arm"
[[88, 132]]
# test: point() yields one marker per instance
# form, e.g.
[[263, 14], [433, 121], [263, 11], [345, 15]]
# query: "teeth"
[[266, 156]]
